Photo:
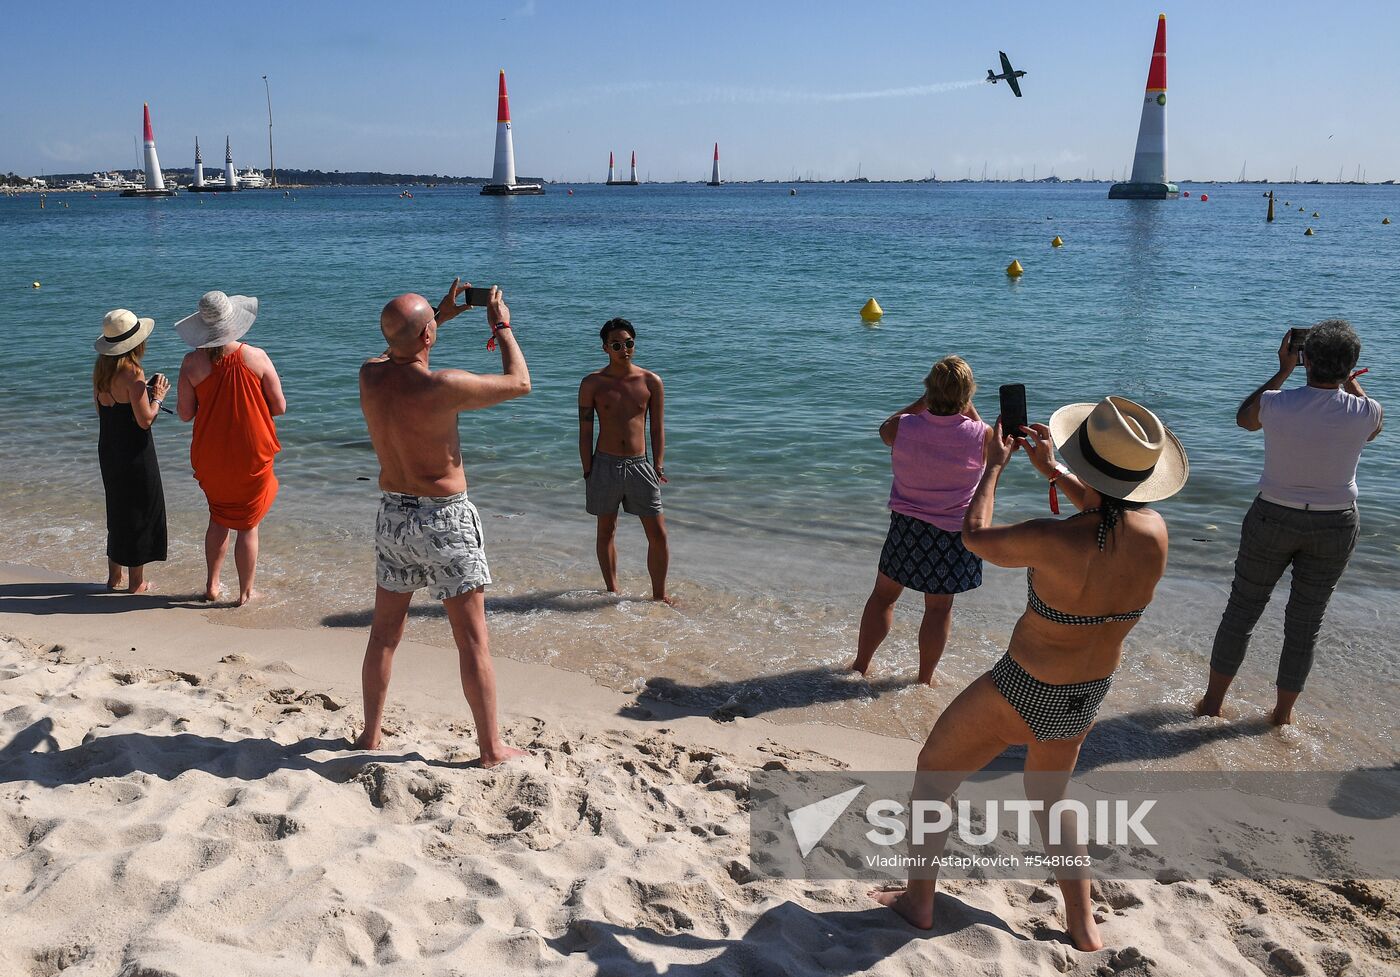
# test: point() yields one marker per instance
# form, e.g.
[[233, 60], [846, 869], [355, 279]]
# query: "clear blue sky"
[[816, 87]]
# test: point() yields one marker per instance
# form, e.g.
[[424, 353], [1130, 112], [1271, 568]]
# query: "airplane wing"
[[1015, 85], [1005, 63]]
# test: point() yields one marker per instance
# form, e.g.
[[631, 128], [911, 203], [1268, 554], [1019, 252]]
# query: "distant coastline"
[[294, 179]]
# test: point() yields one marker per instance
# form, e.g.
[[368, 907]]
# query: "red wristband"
[[495, 328]]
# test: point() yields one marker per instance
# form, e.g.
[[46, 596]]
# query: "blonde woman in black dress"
[[126, 407]]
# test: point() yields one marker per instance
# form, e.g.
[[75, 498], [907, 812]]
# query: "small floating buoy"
[[1186, 193], [1205, 197], [1308, 232], [1057, 242], [1316, 214], [792, 192], [1288, 203], [871, 311], [1385, 220], [1300, 210], [35, 285], [571, 193], [1014, 269]]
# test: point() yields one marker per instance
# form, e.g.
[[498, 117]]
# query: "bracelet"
[[1060, 471]]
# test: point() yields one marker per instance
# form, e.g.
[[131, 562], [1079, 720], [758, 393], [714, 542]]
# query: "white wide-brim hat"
[[122, 332], [1121, 449], [221, 319]]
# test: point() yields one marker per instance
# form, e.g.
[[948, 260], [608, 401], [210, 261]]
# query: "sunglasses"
[[618, 347]]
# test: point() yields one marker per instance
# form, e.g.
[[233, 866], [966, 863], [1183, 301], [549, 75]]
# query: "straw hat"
[[221, 319], [122, 332], [1121, 449]]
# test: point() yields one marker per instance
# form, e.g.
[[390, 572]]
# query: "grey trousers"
[[1318, 546]]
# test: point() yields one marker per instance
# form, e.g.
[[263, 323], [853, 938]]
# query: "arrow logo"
[[811, 822]]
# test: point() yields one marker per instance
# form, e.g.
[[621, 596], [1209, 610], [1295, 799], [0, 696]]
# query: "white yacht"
[[252, 179]]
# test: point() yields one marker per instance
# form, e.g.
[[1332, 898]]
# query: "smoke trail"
[[664, 93], [770, 95]]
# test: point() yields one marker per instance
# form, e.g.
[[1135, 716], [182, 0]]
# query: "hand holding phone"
[[1013, 409], [1298, 338]]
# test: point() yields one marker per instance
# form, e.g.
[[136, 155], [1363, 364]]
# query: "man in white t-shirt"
[[1305, 515]]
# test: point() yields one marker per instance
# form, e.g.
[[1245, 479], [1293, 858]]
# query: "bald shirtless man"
[[428, 534], [616, 471]]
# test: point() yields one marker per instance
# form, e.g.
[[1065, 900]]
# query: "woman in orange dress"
[[232, 392]]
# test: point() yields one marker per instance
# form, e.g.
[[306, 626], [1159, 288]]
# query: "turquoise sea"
[[745, 300]]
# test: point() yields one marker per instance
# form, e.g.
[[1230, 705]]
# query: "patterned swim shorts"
[[429, 541]]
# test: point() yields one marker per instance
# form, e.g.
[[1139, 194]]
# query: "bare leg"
[[114, 575], [969, 734], [245, 557], [933, 633], [875, 622], [1215, 694], [385, 632], [467, 613], [607, 551], [215, 549], [658, 555], [1283, 710], [1047, 771], [139, 583]]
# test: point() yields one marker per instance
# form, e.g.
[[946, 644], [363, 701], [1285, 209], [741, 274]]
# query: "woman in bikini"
[[1089, 578]]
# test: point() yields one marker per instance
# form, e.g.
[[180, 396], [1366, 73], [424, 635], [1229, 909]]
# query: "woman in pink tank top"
[[937, 453]]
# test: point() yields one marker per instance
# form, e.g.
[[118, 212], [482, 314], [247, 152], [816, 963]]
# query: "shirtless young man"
[[428, 534], [617, 471]]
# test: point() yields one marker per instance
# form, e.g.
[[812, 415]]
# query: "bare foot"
[[1282, 717], [245, 598], [115, 585], [1084, 934], [140, 588], [1208, 707], [918, 916], [932, 681], [211, 594], [367, 741], [664, 599], [500, 755]]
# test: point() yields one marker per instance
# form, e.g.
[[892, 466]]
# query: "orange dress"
[[234, 443]]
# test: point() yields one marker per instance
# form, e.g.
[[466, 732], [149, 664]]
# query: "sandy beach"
[[178, 798]]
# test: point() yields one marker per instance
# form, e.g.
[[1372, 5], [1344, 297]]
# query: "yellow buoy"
[[1385, 220], [871, 311], [1308, 232], [1015, 270], [1057, 242], [1316, 214], [36, 284]]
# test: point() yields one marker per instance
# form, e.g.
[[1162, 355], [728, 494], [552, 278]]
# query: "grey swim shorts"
[[429, 541], [629, 482]]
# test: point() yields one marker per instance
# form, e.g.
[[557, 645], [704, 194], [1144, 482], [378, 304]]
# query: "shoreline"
[[188, 789]]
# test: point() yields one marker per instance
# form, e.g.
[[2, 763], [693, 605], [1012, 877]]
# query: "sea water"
[[745, 300]]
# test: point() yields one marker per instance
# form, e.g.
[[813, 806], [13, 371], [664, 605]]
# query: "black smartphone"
[[1297, 339], [1013, 409], [479, 296]]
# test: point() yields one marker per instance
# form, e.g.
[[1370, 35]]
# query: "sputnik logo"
[[811, 822]]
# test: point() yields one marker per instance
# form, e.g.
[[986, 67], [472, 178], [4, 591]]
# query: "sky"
[[816, 89]]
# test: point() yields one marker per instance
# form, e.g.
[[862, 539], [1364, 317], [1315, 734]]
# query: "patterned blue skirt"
[[925, 558]]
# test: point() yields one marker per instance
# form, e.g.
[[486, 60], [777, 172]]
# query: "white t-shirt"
[[1312, 442]]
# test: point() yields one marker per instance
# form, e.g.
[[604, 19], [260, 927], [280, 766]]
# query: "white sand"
[[176, 799]]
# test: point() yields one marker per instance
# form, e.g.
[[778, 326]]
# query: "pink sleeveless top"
[[937, 463]]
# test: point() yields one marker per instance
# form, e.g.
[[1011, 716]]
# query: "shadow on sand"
[[787, 939], [167, 757], [668, 699], [86, 598]]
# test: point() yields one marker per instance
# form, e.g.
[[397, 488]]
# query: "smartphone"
[[1013, 409], [1297, 339], [479, 296]]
